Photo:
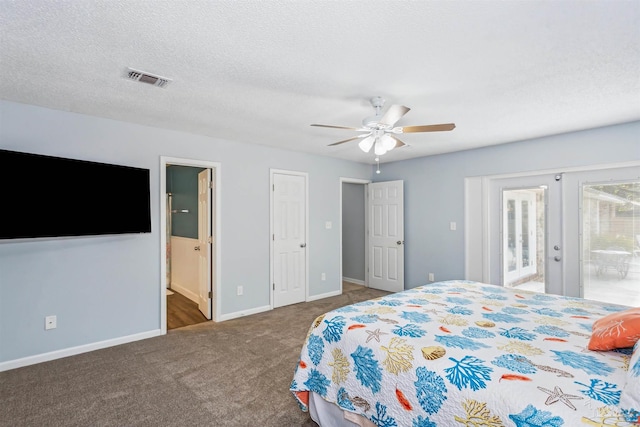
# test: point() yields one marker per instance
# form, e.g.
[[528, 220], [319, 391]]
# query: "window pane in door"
[[524, 238], [611, 242], [525, 233], [511, 261]]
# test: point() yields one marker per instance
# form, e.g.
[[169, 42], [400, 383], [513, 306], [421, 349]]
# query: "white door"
[[289, 238], [205, 240], [386, 236]]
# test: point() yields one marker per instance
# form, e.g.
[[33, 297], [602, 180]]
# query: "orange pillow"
[[616, 330]]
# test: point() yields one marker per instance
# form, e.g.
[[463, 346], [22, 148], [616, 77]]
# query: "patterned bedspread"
[[464, 353]]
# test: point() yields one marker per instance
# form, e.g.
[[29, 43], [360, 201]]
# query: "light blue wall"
[[104, 288], [353, 231], [434, 188]]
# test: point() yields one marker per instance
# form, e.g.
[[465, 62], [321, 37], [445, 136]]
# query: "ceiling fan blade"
[[336, 127], [429, 128], [393, 114], [347, 140]]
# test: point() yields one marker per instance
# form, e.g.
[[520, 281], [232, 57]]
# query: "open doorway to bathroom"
[[190, 215]]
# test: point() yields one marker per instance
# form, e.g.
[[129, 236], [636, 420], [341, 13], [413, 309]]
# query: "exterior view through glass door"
[[611, 242], [524, 237]]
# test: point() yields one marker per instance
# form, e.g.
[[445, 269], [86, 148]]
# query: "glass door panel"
[[524, 235], [611, 242]]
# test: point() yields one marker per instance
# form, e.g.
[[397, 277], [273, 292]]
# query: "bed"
[[469, 354]]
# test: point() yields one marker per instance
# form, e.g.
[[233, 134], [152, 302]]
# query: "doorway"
[[353, 232], [382, 219], [526, 232], [190, 249]]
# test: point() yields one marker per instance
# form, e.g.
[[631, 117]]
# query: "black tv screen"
[[46, 196]]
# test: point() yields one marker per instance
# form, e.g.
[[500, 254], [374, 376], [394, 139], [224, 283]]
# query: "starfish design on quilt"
[[557, 395], [374, 335]]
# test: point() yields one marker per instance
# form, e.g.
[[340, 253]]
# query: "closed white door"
[[386, 236], [205, 240], [289, 244]]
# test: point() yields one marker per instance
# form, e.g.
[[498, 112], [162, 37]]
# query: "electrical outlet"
[[452, 226], [50, 322], [240, 290], [323, 276], [432, 277]]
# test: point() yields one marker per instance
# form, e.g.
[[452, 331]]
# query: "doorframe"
[[272, 172], [365, 183], [216, 218]]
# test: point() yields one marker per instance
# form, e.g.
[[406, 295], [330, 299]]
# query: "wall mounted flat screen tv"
[[46, 196]]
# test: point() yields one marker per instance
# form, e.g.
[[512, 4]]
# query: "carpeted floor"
[[233, 373]]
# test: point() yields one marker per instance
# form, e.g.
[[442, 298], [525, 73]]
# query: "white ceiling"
[[262, 71]]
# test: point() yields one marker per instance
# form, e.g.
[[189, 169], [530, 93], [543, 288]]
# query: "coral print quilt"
[[465, 353]]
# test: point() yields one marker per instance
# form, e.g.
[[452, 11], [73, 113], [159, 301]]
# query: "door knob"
[[557, 258], [400, 242], [556, 247], [303, 245], [197, 248]]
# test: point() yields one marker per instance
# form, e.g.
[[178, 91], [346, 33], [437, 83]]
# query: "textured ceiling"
[[263, 71]]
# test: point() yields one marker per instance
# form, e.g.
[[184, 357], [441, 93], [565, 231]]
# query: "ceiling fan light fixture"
[[366, 144], [388, 142], [379, 148]]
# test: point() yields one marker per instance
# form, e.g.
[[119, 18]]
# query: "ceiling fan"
[[379, 131]]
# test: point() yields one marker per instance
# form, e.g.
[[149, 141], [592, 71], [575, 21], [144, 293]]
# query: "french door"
[[604, 239], [575, 233]]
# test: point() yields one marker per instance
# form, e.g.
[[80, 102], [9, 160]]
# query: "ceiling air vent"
[[144, 77]]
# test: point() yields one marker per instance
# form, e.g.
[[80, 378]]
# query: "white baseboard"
[[184, 292], [72, 351], [350, 280], [243, 313], [321, 296]]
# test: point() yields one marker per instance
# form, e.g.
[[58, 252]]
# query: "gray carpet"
[[233, 373]]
